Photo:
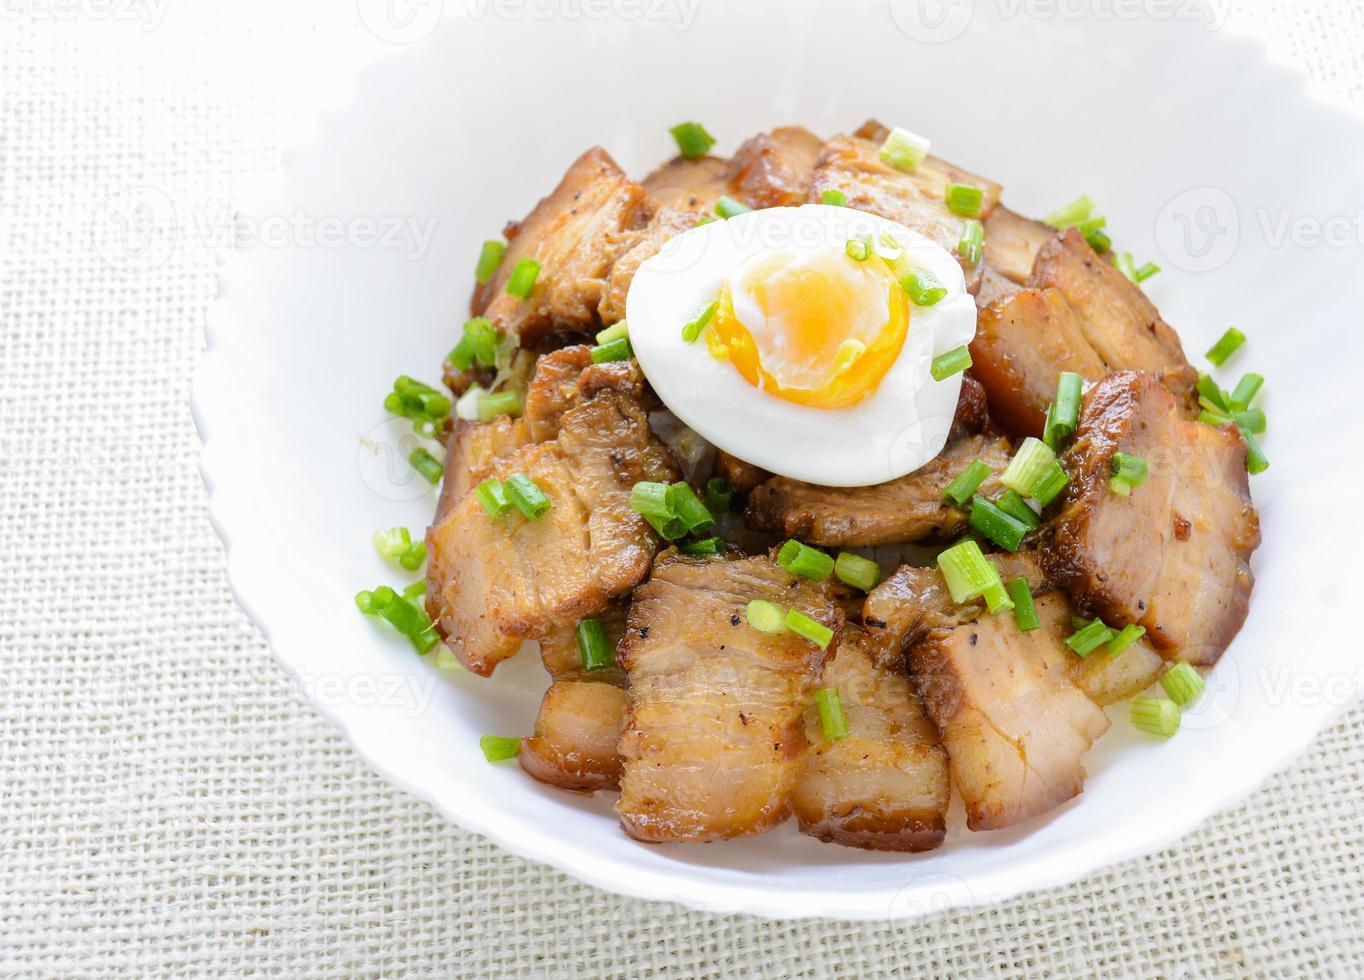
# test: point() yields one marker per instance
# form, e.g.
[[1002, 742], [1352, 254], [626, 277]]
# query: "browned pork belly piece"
[[470, 452], [973, 410], [575, 233], [885, 785], [689, 185], [1122, 326], [1012, 243], [773, 169], [665, 223], [1174, 556], [576, 730], [493, 582], [714, 741], [742, 476], [910, 508]]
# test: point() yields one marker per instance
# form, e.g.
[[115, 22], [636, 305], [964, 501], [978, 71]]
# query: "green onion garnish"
[[765, 617], [1071, 214], [831, 718], [1256, 462], [727, 207], [1209, 417], [692, 140], [592, 645], [1229, 343], [415, 591], [807, 629], [489, 258], [1246, 390], [860, 573], [483, 339], [805, 561], [859, 249], [426, 464], [522, 280], [969, 575], [616, 331], [1090, 637], [525, 495], [1025, 612], [617, 350], [499, 403], [923, 287], [650, 500], [496, 748], [1128, 469], [1095, 235], [493, 496], [836, 198], [1146, 271], [955, 361], [686, 506], [1053, 481], [426, 407], [1001, 528], [719, 495], [461, 355], [967, 482], [1250, 420], [1182, 683], [703, 546], [964, 199], [1128, 635], [1013, 504], [904, 150], [1207, 389], [396, 545], [1124, 264], [1064, 417], [1155, 716], [1028, 467], [972, 242], [693, 327], [401, 613]]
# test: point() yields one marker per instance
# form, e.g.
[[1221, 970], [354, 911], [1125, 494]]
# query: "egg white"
[[893, 431]]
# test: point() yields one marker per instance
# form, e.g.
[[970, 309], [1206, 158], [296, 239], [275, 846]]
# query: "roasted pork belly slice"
[[1022, 345], [973, 409], [1121, 324], [576, 234], [470, 452], [740, 475], [689, 185], [495, 581], [580, 718], [884, 786], [1015, 725], [910, 508], [774, 169], [1012, 243], [1174, 556], [663, 224], [714, 740]]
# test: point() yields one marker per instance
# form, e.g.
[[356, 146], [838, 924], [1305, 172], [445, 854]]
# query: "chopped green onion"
[[1207, 388], [955, 361], [703, 546], [523, 276], [1077, 622], [1029, 465], [964, 199], [967, 482], [1013, 504], [650, 500], [807, 629], [1053, 481], [692, 140], [996, 596], [402, 614], [525, 495], [969, 575], [1095, 235], [426, 407], [1001, 528], [616, 331], [1128, 635], [1025, 612], [426, 464], [765, 617], [1229, 343], [489, 258], [686, 506], [1090, 637], [483, 339], [807, 562], [493, 496], [393, 542], [837, 198], [1124, 264], [461, 356], [1256, 462], [904, 150], [923, 287], [617, 350], [1250, 420], [496, 748], [727, 207], [1182, 683], [719, 495], [1128, 469], [596, 652], [415, 591], [1121, 487], [1213, 418], [499, 403], [860, 573], [859, 249], [831, 718], [1071, 214], [1064, 417], [1246, 390], [972, 241], [1155, 716], [693, 327], [1146, 271]]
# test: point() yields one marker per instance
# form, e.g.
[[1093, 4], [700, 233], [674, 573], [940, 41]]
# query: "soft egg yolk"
[[817, 329]]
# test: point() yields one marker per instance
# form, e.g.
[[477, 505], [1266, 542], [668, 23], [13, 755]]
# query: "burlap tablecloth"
[[170, 804]]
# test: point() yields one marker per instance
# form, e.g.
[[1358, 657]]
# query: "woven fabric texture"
[[170, 805]]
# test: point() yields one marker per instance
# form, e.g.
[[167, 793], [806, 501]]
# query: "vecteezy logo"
[[932, 21], [135, 228], [1199, 229], [382, 460], [400, 21], [931, 893]]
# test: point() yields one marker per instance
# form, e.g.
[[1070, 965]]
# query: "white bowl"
[[1207, 158]]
